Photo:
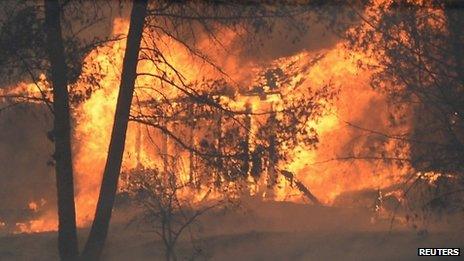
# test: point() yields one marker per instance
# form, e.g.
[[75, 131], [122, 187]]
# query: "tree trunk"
[[67, 235], [99, 230]]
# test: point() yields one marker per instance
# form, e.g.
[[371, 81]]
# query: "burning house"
[[332, 106]]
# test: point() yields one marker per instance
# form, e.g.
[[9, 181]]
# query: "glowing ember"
[[33, 206]]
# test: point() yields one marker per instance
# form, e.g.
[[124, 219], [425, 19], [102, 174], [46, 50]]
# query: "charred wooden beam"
[[300, 186]]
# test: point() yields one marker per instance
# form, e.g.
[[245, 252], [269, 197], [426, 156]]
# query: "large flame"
[[357, 103]]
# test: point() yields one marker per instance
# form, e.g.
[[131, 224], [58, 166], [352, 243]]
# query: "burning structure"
[[277, 101]]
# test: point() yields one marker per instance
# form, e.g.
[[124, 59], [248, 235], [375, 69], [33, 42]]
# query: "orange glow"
[[357, 102], [47, 222], [33, 206]]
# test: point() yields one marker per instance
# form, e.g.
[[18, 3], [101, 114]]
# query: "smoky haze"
[[24, 153]]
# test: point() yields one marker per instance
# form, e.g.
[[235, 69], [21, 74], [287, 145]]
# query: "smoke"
[[286, 40], [24, 153]]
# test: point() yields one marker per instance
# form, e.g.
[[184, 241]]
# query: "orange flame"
[[357, 103]]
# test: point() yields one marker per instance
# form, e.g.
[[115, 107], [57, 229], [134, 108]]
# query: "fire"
[[357, 102], [319, 169], [47, 222], [33, 206], [93, 124], [28, 92]]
